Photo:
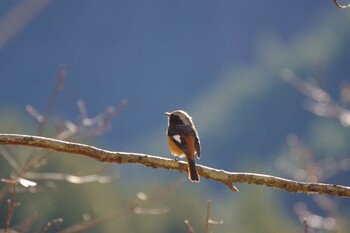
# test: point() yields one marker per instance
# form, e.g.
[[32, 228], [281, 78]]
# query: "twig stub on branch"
[[228, 178]]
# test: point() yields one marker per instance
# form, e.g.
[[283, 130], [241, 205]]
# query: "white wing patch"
[[177, 138]]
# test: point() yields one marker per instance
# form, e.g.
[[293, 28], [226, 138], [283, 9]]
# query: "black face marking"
[[175, 120], [184, 130]]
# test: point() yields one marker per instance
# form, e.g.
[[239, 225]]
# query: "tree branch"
[[341, 6], [228, 178]]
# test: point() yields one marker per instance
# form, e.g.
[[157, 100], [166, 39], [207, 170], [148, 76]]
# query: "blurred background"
[[267, 83]]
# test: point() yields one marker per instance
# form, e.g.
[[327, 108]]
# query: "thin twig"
[[86, 224], [95, 127], [319, 102], [51, 103], [228, 178], [341, 6], [8, 156], [56, 222], [11, 206], [189, 227], [210, 221], [69, 178], [25, 226], [208, 216], [42, 119], [133, 208]]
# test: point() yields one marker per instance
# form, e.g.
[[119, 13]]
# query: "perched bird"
[[183, 140]]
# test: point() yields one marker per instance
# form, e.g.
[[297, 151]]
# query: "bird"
[[183, 140]]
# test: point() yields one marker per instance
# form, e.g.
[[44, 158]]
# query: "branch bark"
[[227, 178]]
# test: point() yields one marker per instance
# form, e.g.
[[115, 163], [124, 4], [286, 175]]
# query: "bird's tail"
[[192, 171]]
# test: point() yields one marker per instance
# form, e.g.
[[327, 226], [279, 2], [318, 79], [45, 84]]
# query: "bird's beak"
[[167, 113]]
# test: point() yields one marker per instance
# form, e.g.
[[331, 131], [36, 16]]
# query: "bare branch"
[[26, 225], [315, 221], [189, 227], [341, 6], [86, 224], [6, 153], [210, 221], [133, 208], [318, 102], [69, 178], [56, 222], [42, 119], [151, 211], [228, 178], [208, 216], [305, 226], [11, 205]]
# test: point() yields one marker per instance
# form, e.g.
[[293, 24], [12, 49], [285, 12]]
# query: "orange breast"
[[174, 149]]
